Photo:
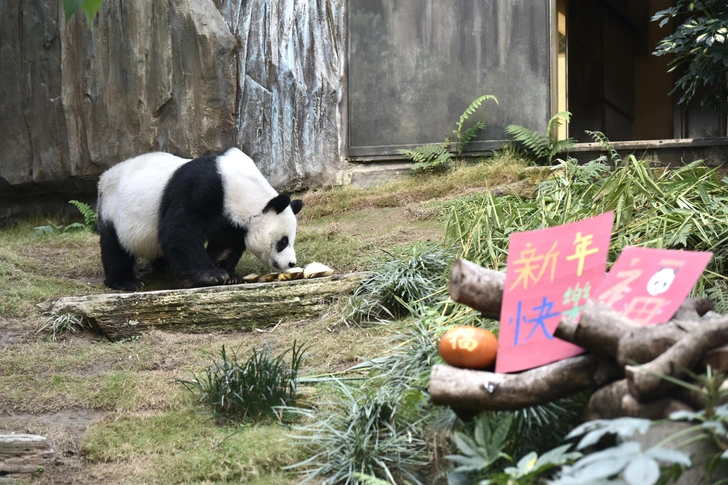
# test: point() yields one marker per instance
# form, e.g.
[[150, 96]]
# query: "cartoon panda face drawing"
[[660, 282]]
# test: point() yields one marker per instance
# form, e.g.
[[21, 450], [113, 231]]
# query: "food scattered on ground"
[[313, 270]]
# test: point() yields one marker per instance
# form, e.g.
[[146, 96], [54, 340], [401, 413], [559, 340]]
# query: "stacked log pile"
[[625, 363]]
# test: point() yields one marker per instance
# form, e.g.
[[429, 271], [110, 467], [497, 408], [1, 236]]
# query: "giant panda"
[[198, 216]]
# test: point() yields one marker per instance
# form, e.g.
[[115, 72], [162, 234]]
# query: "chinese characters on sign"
[[549, 273], [648, 285]]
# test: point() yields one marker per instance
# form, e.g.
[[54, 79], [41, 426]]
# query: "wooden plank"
[[230, 307]]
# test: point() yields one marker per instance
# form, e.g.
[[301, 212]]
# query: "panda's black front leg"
[[227, 258], [183, 245]]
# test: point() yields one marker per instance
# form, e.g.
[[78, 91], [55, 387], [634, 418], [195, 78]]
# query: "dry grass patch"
[[503, 169]]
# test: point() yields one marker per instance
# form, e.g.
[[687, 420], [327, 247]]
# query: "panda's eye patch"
[[282, 244]]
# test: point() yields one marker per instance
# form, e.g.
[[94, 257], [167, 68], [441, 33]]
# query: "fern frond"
[[428, 157], [559, 119], [534, 142], [469, 134], [561, 146], [89, 215], [472, 108], [607, 146]]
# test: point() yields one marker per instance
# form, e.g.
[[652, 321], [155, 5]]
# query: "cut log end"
[[477, 287]]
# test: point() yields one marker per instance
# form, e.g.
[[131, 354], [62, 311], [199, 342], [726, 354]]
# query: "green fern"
[[428, 158], [612, 155], [543, 146], [465, 138], [89, 215], [533, 142], [436, 156], [719, 295]]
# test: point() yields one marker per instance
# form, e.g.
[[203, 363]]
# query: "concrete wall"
[[186, 76]]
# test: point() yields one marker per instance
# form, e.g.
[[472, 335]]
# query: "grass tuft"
[[251, 390], [65, 324], [361, 433], [399, 281]]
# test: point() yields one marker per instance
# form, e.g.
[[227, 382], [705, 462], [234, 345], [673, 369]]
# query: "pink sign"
[[549, 273], [648, 285]]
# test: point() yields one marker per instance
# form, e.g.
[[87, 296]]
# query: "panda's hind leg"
[[117, 262]]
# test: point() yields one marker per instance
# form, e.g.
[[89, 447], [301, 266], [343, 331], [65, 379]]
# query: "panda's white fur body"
[[159, 205], [130, 194]]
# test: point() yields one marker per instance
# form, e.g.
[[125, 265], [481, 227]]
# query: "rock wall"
[[186, 76]]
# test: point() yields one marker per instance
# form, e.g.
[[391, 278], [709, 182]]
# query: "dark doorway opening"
[[613, 82]]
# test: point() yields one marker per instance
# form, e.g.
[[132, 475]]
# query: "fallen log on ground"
[[22, 454], [481, 390], [234, 307]]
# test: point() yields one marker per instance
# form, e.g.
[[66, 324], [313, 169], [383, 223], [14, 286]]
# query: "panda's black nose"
[[291, 265]]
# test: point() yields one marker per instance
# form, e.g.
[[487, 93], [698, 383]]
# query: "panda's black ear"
[[279, 203], [296, 205]]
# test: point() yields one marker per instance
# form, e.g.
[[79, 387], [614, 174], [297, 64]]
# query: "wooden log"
[[477, 287], [605, 331], [598, 330], [24, 453], [693, 308], [233, 307], [481, 390], [645, 382], [615, 401], [643, 344], [717, 359]]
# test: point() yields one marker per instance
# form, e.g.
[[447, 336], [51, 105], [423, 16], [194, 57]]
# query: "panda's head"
[[271, 234]]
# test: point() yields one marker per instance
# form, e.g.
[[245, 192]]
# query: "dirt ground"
[[34, 370]]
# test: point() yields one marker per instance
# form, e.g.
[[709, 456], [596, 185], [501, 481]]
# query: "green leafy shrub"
[[481, 450], [249, 390], [627, 463], [542, 147], [89, 222], [436, 156], [699, 45]]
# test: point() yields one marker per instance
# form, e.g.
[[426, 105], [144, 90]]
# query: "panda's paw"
[[234, 279], [211, 277], [130, 285]]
